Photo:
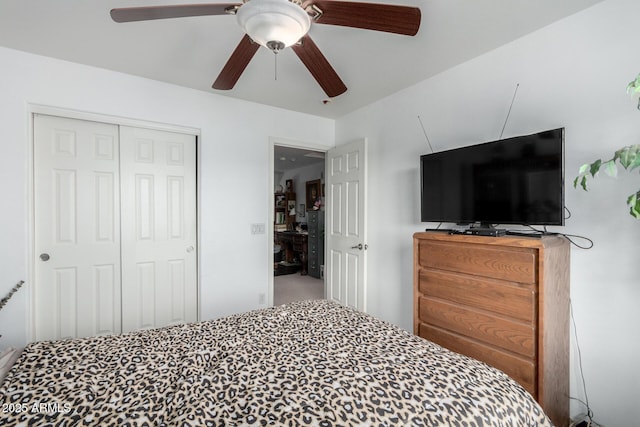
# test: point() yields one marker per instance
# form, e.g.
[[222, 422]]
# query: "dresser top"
[[545, 241]]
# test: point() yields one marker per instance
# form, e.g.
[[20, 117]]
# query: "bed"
[[310, 363]]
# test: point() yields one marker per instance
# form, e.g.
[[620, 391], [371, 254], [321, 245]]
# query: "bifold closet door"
[[158, 202], [114, 228], [76, 228]]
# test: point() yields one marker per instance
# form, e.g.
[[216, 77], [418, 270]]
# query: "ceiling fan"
[[278, 24]]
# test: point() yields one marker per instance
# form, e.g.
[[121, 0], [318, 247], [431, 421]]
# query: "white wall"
[[233, 171], [573, 74]]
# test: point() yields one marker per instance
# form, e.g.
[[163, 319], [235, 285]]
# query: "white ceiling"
[[191, 52], [289, 158]]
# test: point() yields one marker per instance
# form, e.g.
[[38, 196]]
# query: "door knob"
[[359, 246], [44, 257], [190, 249]]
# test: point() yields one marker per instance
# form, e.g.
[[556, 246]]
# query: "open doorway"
[[298, 224]]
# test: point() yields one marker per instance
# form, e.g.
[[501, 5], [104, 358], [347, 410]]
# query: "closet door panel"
[[76, 228], [159, 271]]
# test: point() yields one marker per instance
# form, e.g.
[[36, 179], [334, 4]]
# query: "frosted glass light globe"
[[274, 24]]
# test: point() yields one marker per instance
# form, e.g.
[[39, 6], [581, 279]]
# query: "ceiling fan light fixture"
[[274, 24]]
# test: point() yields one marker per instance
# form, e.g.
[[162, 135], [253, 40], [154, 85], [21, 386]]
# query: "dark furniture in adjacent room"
[[284, 211], [295, 250], [315, 258]]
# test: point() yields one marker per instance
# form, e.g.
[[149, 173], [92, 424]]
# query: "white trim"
[[105, 118], [33, 109], [284, 142], [29, 191]]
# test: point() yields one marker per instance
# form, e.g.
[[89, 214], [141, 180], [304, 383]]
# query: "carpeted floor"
[[294, 287]]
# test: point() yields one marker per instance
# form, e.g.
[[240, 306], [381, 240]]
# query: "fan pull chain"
[[275, 47]]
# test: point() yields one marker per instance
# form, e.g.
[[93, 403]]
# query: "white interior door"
[[346, 224], [77, 228], [159, 271]]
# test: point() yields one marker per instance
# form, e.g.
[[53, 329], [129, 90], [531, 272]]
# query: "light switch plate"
[[258, 228]]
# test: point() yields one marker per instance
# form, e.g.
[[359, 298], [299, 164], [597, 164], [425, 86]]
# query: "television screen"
[[517, 180]]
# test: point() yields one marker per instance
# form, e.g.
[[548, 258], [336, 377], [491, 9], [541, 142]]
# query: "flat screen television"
[[517, 180]]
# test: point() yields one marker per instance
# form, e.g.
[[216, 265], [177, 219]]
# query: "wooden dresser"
[[502, 300]]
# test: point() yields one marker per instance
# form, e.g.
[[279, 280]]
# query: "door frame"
[[284, 142], [33, 109]]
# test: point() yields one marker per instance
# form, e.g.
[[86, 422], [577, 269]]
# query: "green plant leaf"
[[583, 183], [610, 168], [634, 205], [627, 156], [634, 85], [622, 155], [595, 167], [636, 160]]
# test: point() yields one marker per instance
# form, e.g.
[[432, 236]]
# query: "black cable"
[[582, 402], [584, 384], [565, 235], [568, 237]]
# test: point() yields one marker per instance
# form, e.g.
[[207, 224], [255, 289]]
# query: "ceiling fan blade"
[[370, 16], [147, 13], [319, 67], [236, 64]]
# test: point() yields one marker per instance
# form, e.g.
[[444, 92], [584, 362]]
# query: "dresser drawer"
[[523, 370], [313, 219], [501, 297], [497, 331], [513, 264]]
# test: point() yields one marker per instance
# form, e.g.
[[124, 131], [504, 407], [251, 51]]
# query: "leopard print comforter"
[[312, 363]]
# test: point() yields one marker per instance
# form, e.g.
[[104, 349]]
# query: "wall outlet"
[[258, 228]]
